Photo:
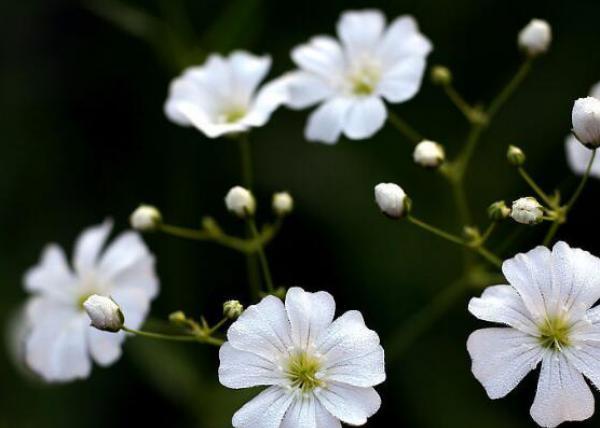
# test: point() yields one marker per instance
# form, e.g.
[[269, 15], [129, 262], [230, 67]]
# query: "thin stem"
[[462, 205], [582, 183], [508, 90], [401, 125], [178, 338], [464, 158], [436, 231], [489, 256], [459, 102], [238, 244], [537, 189], [218, 325], [261, 256], [551, 232], [488, 232]]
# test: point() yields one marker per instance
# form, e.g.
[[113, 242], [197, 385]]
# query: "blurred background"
[[84, 137]]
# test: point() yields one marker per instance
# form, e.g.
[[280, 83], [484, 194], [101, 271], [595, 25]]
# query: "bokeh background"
[[84, 137]]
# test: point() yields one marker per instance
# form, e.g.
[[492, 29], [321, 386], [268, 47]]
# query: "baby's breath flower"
[[240, 201], [536, 37], [527, 210], [578, 155], [586, 121]]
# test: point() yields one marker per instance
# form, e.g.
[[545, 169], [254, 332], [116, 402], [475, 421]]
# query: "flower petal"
[[578, 157], [241, 369], [52, 275], [88, 246], [365, 117], [309, 314], [138, 275], [125, 250], [306, 89], [266, 410], [502, 304], [585, 357], [349, 404], [403, 81], [402, 40], [325, 124], [360, 31], [268, 99], [351, 352], [105, 347], [322, 56], [502, 357], [262, 329], [562, 394], [307, 412], [134, 303], [247, 71]]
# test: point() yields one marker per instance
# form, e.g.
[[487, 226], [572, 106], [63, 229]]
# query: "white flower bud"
[[105, 314], [535, 38], [515, 156], [232, 309], [145, 218], [586, 121], [527, 211], [429, 154], [392, 200], [283, 203], [240, 202]]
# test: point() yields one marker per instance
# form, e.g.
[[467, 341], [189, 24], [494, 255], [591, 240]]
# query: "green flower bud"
[[515, 156], [498, 211], [441, 75], [232, 309]]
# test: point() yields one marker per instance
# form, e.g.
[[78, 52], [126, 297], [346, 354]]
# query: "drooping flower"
[[222, 96], [578, 156], [536, 37], [351, 77], [318, 371], [549, 317], [61, 343]]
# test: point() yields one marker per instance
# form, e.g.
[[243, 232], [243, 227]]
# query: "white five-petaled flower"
[[578, 156], [318, 371], [351, 76], [549, 318], [536, 37], [222, 96], [61, 343]]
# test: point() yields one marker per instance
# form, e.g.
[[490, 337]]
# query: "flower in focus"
[[548, 316], [586, 121], [536, 37], [318, 371], [240, 201], [222, 96], [61, 344], [391, 199], [350, 77], [429, 154], [578, 156], [527, 210]]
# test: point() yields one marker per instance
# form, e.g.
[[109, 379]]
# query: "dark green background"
[[84, 137]]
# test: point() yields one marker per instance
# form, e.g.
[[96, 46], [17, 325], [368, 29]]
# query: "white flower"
[[61, 343], [578, 156], [351, 76], [429, 154], [391, 199], [283, 203], [527, 211], [548, 313], [221, 96], [240, 201], [535, 38], [104, 313], [145, 218], [586, 121], [318, 371]]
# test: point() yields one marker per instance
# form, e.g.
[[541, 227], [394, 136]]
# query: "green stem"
[[537, 189], [177, 338], [464, 158], [487, 233], [261, 256], [459, 102], [489, 256], [510, 88], [218, 325], [582, 183], [436, 231], [401, 125], [551, 232]]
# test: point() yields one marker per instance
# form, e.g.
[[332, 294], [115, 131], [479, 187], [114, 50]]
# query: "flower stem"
[[261, 256], [551, 232], [436, 231], [489, 256], [459, 101], [510, 88], [177, 338], [401, 125], [537, 189], [582, 183]]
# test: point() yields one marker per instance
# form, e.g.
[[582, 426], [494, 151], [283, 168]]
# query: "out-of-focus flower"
[[352, 76], [104, 313], [586, 121], [318, 371], [536, 37], [578, 156], [391, 199], [547, 316], [515, 156], [145, 218], [498, 211], [222, 95], [61, 344], [283, 204], [429, 154], [240, 201], [527, 210]]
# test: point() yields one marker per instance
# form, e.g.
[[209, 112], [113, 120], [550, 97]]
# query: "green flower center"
[[302, 370], [364, 81], [232, 115], [554, 333]]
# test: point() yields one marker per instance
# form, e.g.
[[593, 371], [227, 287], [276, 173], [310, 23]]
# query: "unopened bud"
[[527, 211], [429, 154], [441, 75], [240, 201], [210, 225], [104, 313], [535, 38], [392, 200], [232, 309], [177, 318], [283, 203], [515, 156], [471, 233], [498, 211], [586, 121], [145, 218]]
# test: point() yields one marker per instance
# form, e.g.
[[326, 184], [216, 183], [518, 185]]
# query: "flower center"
[[554, 333], [232, 115], [364, 79], [302, 371]]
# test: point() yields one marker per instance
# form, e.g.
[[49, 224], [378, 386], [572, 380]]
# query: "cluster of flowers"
[[319, 371]]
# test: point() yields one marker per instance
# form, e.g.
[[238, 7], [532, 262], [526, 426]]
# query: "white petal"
[[401, 40], [307, 412], [138, 275], [266, 410], [268, 99], [262, 329], [585, 356], [88, 246], [403, 81], [502, 304], [306, 89], [125, 250], [562, 394], [352, 352], [134, 303], [578, 157], [326, 122], [349, 404], [241, 369], [206, 123], [502, 357], [247, 71], [365, 117], [309, 314], [360, 31], [530, 274], [105, 347], [52, 275], [322, 55], [585, 280]]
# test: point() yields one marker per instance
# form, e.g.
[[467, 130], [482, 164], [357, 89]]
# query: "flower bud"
[[210, 225], [441, 75], [515, 156], [527, 211], [177, 318], [283, 203], [145, 218], [429, 154], [232, 309], [586, 121], [471, 233], [105, 314], [392, 200], [240, 201], [535, 38], [498, 211]]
